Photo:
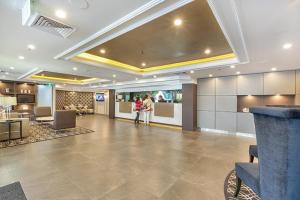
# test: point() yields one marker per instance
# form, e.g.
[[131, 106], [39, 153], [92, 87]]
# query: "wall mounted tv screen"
[[25, 98], [99, 97]]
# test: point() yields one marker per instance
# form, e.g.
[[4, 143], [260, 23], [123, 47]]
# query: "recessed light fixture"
[[60, 14], [12, 68], [30, 47], [178, 22], [274, 69], [21, 57], [114, 75], [287, 46], [103, 51], [75, 68], [210, 75], [207, 51], [144, 64], [42, 74], [154, 76], [238, 72], [232, 66], [192, 71], [136, 79], [6, 73]]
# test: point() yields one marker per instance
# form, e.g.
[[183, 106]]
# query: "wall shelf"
[[15, 89], [246, 101]]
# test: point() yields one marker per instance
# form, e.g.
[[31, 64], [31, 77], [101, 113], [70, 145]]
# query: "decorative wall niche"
[[248, 101]]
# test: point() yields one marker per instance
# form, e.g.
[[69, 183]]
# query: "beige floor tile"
[[122, 162]]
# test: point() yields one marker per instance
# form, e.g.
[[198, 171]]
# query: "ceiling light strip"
[[94, 58], [191, 62], [60, 79], [91, 57]]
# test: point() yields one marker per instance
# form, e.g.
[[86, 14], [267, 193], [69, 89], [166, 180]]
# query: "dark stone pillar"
[[189, 107], [111, 104]]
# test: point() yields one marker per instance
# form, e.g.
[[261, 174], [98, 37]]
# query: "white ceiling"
[[15, 37], [266, 26]]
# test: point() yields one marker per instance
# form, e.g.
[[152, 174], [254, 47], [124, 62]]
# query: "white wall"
[[101, 107], [45, 95]]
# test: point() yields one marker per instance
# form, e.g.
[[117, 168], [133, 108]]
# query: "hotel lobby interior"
[[149, 100]]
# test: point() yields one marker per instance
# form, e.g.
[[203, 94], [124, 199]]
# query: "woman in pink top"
[[138, 106]]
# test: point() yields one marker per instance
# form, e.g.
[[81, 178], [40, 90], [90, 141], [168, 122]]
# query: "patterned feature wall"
[[60, 99], [65, 98]]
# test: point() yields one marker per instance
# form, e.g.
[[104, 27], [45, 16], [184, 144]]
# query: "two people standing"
[[146, 106], [138, 108]]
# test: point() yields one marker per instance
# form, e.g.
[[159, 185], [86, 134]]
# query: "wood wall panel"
[[125, 107], [189, 107], [66, 98], [111, 104], [164, 110]]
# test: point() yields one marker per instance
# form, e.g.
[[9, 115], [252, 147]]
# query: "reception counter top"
[[165, 113]]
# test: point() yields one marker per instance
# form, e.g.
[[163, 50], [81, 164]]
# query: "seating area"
[[62, 119], [80, 109]]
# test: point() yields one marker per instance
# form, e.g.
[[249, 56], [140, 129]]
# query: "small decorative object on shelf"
[[7, 90], [29, 91], [22, 91], [25, 91], [245, 109]]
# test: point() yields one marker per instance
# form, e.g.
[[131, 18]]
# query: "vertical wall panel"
[[226, 85], [206, 119], [226, 103], [206, 86], [206, 103], [279, 83], [226, 121], [245, 123], [252, 84]]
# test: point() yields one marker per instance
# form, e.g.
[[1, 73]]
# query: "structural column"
[[111, 104], [189, 107]]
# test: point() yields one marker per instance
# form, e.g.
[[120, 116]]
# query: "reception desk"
[[165, 113]]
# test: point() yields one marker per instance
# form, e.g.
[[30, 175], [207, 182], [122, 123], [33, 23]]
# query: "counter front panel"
[[164, 109], [165, 113], [125, 107]]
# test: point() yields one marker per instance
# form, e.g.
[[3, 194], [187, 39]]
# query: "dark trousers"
[[137, 118]]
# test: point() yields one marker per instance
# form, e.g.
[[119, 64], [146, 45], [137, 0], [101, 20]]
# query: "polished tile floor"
[[122, 162]]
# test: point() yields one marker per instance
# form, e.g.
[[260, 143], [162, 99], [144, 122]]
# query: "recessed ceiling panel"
[[197, 35], [62, 76]]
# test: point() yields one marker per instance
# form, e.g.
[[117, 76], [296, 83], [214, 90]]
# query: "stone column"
[[189, 107], [111, 104]]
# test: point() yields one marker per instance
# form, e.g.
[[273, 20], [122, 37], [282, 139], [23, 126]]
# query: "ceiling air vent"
[[32, 18], [49, 25]]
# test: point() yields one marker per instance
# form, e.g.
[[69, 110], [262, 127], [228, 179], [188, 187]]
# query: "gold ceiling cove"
[[60, 77], [187, 35]]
